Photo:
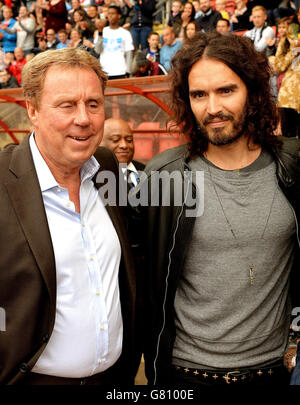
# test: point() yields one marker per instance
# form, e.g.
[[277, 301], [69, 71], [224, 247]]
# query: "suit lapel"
[[108, 162], [26, 198]]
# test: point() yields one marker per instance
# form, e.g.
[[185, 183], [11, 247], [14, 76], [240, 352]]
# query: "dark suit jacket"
[[138, 165], [208, 22], [27, 267]]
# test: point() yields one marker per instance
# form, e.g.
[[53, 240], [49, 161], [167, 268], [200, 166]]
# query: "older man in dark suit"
[[66, 276]]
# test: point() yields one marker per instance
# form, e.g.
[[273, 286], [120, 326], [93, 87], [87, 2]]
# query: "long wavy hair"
[[252, 67]]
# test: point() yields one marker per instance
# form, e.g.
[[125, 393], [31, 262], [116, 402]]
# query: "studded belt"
[[238, 376]]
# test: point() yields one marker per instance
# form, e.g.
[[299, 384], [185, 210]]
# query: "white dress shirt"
[[88, 330], [133, 173]]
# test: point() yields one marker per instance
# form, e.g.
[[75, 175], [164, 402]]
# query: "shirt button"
[[99, 361], [91, 257], [102, 327], [97, 292], [68, 204], [58, 190]]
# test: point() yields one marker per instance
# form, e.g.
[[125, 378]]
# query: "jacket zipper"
[[167, 277], [169, 264]]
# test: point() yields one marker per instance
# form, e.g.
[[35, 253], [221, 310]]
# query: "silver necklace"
[[251, 265]]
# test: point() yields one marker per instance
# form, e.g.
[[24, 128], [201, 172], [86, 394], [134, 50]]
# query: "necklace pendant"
[[251, 274]]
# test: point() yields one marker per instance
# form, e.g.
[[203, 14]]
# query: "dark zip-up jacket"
[[142, 14], [169, 231]]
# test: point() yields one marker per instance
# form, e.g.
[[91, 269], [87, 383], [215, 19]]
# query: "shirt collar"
[[46, 178], [132, 168], [207, 13]]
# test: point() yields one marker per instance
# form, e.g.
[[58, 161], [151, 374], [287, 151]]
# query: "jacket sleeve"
[[12, 30], [262, 45], [281, 61], [29, 27]]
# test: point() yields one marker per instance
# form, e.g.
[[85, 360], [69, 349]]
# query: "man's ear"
[[32, 111]]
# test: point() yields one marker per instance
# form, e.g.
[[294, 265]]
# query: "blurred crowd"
[[121, 34]]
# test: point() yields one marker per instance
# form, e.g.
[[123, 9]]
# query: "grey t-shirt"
[[226, 315]]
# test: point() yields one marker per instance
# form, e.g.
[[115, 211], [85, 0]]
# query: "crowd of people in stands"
[[120, 33]]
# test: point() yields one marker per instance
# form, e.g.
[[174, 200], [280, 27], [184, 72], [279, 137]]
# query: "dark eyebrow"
[[230, 86], [194, 93]]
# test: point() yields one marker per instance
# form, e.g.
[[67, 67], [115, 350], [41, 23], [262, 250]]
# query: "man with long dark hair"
[[218, 283]]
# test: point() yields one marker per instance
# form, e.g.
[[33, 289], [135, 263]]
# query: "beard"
[[224, 136]]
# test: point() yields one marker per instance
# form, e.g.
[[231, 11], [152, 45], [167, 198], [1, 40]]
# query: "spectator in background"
[[75, 38], [187, 15], [141, 22], [287, 61], [97, 36], [117, 47], [24, 27], [223, 26], [51, 39], [9, 57], [9, 41], [118, 138], [7, 81], [103, 12], [240, 19], [81, 24], [55, 13], [208, 18], [169, 48], [196, 4], [282, 29], [145, 67], [126, 7], [37, 14], [92, 17], [191, 30], [75, 6], [261, 30], [175, 17], [220, 6], [152, 52], [42, 46], [64, 42], [276, 78], [16, 67]]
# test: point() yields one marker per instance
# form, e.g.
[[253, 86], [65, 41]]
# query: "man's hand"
[[289, 358], [270, 41], [88, 43]]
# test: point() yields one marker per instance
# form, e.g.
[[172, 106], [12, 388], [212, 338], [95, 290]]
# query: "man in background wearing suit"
[[118, 138], [67, 287]]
